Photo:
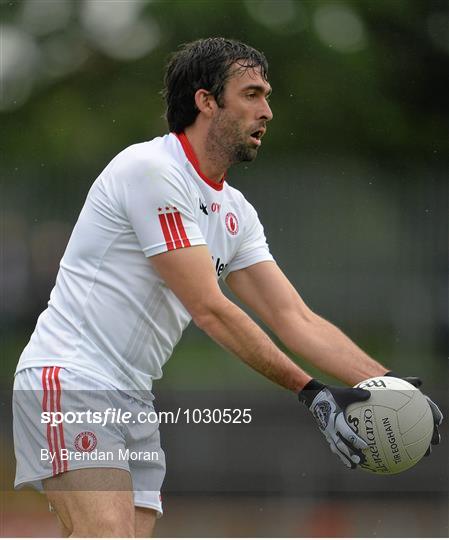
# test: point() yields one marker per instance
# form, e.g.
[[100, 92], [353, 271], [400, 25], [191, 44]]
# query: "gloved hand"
[[327, 404], [436, 413]]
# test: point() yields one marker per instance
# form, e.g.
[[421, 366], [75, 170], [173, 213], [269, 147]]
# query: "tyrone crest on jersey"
[[232, 223]]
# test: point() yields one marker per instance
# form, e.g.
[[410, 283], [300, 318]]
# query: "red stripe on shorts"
[[58, 408], [45, 409], [51, 385]]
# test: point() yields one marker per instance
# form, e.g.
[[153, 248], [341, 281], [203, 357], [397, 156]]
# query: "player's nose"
[[265, 112]]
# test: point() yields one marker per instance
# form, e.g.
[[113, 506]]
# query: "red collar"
[[191, 156]]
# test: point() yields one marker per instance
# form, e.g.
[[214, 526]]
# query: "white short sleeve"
[[158, 204], [254, 247]]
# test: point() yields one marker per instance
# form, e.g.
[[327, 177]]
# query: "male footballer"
[[160, 227]]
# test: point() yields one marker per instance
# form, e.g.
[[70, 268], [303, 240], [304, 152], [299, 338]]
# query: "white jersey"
[[110, 314]]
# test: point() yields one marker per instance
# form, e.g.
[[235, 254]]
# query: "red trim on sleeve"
[[191, 156], [182, 231], [174, 230], [166, 231]]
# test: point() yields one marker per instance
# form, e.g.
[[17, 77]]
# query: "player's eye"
[[252, 95]]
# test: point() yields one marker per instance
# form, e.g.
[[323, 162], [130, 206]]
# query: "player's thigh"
[[106, 509], [145, 522], [64, 531]]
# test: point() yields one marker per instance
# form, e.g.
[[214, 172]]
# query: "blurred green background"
[[351, 183]]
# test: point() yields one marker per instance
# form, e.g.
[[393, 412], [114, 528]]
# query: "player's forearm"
[[329, 349], [231, 328]]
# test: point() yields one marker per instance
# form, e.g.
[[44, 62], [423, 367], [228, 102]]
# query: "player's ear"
[[205, 102]]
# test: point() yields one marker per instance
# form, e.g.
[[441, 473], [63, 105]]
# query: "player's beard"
[[227, 140]]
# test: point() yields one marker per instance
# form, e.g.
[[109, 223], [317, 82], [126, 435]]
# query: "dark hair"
[[204, 63]]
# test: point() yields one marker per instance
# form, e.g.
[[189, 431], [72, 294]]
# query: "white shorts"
[[78, 439]]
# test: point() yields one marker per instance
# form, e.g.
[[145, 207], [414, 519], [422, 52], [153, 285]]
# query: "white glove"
[[327, 404]]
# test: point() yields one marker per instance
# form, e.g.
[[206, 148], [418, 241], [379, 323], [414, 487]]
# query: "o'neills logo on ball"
[[85, 441], [376, 458], [232, 223]]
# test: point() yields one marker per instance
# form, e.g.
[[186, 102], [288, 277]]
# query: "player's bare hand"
[[327, 404]]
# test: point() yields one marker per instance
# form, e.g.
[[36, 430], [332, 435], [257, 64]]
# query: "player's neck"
[[211, 165]]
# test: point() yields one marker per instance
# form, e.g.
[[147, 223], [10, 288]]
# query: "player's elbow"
[[208, 311], [289, 324], [203, 319]]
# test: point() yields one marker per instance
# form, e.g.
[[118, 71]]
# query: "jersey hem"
[[36, 481], [162, 248], [158, 508], [95, 375], [251, 261]]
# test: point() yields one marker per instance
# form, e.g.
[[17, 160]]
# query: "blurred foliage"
[[386, 100]]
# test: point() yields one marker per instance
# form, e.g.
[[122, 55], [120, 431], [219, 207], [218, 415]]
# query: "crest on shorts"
[[85, 441], [232, 223]]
